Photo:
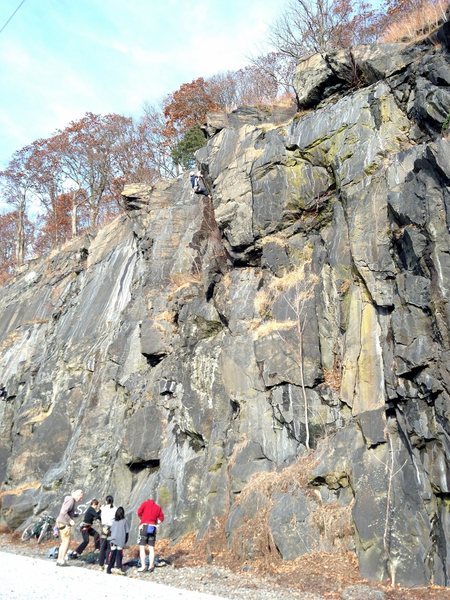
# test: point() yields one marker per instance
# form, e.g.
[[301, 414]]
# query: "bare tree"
[[297, 305], [8, 238], [154, 144], [224, 90], [44, 169], [278, 69], [17, 190], [88, 154], [294, 293], [310, 26], [256, 85]]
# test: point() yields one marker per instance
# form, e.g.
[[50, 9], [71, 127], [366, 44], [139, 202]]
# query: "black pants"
[[115, 556], [86, 532], [104, 550]]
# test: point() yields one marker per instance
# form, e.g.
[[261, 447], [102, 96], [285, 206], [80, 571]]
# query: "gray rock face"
[[276, 358]]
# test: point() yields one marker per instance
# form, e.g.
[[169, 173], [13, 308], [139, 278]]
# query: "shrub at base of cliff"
[[277, 516]]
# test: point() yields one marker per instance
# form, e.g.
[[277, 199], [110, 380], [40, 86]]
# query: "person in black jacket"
[[87, 529]]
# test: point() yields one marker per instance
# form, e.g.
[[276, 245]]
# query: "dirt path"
[[318, 577], [24, 578]]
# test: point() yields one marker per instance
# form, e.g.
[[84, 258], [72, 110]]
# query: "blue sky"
[[62, 58]]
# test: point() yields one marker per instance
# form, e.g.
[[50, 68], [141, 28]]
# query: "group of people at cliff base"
[[115, 531]]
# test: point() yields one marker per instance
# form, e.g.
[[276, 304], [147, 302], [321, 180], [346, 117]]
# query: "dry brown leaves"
[[320, 572]]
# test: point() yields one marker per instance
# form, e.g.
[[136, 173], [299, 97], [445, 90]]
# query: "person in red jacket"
[[151, 515]]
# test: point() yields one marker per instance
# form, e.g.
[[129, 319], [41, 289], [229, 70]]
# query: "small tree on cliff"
[[184, 111], [183, 153], [293, 293], [310, 26], [275, 71]]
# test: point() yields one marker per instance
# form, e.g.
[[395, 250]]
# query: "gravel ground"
[[211, 580], [27, 578], [38, 576]]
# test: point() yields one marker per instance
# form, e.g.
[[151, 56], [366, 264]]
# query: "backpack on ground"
[[53, 552]]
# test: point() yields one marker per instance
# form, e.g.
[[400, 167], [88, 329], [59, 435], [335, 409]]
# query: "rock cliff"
[[274, 360]]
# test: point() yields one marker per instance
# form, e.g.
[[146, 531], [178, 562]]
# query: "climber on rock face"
[[197, 184]]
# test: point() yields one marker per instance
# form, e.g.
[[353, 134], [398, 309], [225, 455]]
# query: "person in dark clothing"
[[119, 537], [87, 529]]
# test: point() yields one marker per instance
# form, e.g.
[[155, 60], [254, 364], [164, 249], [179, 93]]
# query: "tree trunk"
[[20, 242], [93, 215], [74, 217]]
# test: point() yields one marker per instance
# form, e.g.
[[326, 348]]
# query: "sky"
[[62, 58]]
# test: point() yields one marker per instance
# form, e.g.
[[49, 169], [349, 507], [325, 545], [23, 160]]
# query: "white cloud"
[[64, 58]]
